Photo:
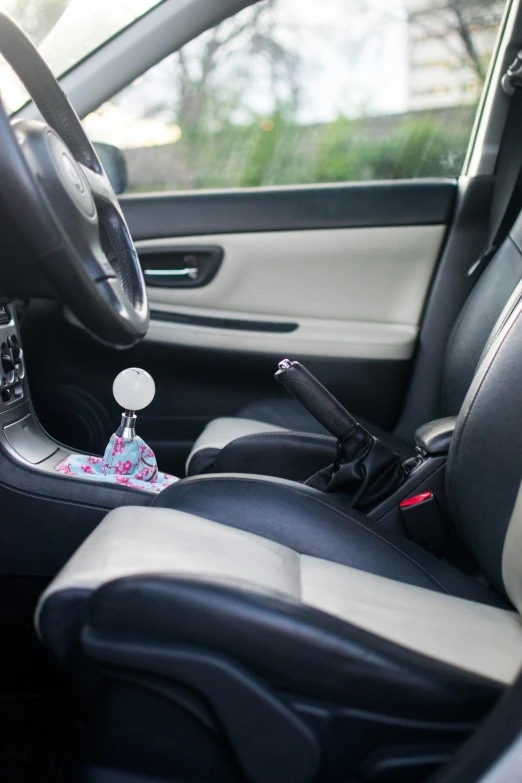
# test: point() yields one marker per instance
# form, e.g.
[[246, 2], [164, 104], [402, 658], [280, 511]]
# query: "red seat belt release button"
[[424, 522], [416, 499]]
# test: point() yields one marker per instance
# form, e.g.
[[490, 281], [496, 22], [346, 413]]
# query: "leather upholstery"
[[280, 426], [287, 643], [281, 614], [318, 525], [289, 414], [216, 435], [287, 586], [475, 323], [281, 453], [512, 555], [435, 436], [365, 470], [485, 458]]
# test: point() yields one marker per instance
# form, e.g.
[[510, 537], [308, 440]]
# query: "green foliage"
[[413, 146], [226, 144], [271, 146], [276, 150]]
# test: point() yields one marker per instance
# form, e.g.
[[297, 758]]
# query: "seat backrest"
[[478, 318], [485, 461]]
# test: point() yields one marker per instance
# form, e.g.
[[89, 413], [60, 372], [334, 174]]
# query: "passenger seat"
[[481, 311]]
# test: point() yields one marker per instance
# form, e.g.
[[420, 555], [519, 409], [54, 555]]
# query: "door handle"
[[180, 267], [191, 272]]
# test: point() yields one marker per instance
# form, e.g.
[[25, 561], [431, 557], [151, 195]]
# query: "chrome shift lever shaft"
[[127, 428]]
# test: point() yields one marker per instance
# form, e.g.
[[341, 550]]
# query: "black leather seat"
[[239, 438], [247, 629]]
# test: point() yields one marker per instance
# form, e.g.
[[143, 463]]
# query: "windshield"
[[65, 31]]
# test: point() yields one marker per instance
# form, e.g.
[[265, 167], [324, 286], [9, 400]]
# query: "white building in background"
[[439, 74]]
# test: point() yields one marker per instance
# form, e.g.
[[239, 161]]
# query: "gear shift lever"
[[128, 460], [133, 389]]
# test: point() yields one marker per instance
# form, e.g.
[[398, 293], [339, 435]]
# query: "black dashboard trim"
[[353, 205]]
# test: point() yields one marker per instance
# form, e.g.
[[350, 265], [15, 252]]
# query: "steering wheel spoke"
[[99, 185]]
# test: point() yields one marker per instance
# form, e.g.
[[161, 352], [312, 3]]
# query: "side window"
[[295, 92]]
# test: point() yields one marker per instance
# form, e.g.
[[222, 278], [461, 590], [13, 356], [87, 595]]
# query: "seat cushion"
[[291, 415], [166, 576], [318, 525], [288, 414], [217, 435], [267, 416]]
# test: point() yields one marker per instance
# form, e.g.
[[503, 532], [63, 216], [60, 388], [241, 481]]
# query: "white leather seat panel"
[[469, 635], [132, 541], [512, 555], [136, 540]]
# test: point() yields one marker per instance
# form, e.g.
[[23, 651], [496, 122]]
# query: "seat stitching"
[[337, 511], [293, 433], [497, 329], [285, 434], [508, 315], [210, 447]]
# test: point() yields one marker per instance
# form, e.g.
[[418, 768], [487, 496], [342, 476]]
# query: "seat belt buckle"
[[424, 522], [512, 79]]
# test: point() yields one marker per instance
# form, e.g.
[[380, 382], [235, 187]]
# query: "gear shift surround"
[[127, 460]]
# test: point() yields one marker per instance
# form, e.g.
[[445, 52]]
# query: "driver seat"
[[250, 630]]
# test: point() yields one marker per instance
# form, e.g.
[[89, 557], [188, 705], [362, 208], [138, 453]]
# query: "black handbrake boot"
[[364, 469]]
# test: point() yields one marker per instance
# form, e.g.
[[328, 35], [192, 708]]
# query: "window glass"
[[65, 31], [299, 91]]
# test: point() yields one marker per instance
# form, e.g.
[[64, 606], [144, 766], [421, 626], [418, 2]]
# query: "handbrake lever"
[[315, 398], [365, 469]]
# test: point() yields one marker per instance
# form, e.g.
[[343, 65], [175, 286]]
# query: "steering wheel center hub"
[[71, 175]]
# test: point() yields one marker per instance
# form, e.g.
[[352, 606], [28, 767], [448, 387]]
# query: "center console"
[[47, 512], [404, 494]]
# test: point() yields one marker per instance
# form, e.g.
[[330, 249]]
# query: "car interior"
[[260, 465]]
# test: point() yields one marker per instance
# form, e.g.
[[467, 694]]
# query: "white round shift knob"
[[134, 389]]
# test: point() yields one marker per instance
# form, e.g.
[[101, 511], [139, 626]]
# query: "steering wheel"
[[54, 186]]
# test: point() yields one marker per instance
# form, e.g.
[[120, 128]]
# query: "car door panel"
[[354, 293], [345, 267]]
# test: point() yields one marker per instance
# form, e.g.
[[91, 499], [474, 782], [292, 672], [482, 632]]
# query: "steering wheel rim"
[[57, 190]]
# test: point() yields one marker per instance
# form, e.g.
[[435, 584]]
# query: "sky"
[[351, 62], [352, 52]]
